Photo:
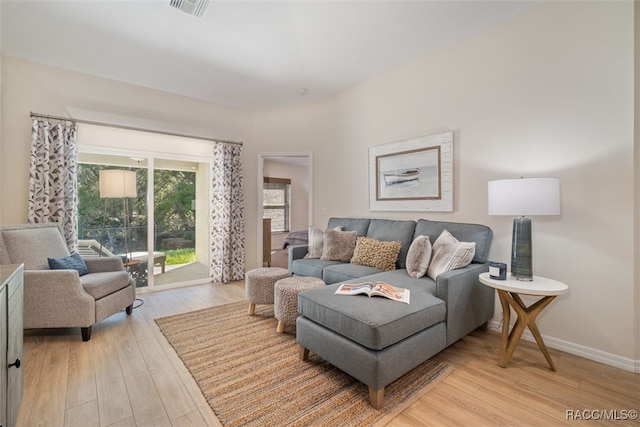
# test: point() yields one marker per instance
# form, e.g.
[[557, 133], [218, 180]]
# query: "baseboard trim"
[[579, 350]]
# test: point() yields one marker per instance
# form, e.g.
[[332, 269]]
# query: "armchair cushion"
[[72, 262], [32, 246], [99, 285]]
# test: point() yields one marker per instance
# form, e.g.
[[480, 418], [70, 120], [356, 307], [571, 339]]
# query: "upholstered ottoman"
[[375, 340], [258, 286], [285, 295]]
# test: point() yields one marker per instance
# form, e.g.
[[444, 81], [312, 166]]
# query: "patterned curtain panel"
[[53, 176], [227, 214]]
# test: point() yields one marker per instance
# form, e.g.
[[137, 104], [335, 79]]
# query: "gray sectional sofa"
[[377, 340]]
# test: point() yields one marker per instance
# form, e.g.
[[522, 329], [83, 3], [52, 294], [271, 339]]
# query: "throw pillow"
[[72, 262], [419, 256], [314, 248], [338, 245], [449, 254], [376, 253], [316, 242]]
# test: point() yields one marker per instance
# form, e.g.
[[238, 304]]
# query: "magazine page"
[[392, 292], [375, 289], [354, 289]]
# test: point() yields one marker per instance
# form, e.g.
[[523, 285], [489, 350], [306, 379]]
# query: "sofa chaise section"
[[377, 340]]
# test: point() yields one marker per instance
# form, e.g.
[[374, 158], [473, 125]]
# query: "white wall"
[[636, 239], [547, 93]]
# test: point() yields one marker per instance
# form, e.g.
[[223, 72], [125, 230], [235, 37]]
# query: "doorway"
[[298, 168]]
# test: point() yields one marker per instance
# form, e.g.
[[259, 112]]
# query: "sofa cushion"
[[342, 272], [390, 230], [32, 246], [481, 234], [338, 245], [99, 285], [311, 267], [449, 254], [419, 256], [72, 262], [375, 322], [359, 225], [376, 253]]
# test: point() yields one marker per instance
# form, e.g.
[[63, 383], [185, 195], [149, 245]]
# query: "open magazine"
[[379, 289]]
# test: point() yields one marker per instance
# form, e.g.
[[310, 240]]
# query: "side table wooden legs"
[[526, 318]]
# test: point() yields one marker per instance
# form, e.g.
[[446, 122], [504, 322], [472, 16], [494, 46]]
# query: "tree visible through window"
[[276, 202]]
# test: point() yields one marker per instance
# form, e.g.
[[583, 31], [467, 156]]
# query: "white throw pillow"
[[419, 256], [316, 239], [449, 254]]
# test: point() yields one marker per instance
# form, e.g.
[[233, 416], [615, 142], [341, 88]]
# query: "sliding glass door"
[[180, 199], [162, 231]]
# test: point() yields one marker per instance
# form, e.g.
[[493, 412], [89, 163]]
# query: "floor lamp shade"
[[521, 197], [115, 183], [118, 184]]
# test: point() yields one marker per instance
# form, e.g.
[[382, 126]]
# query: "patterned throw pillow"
[[72, 262], [338, 245], [419, 256], [376, 253], [449, 254]]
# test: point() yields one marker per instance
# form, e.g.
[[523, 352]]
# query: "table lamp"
[[118, 184], [521, 197]]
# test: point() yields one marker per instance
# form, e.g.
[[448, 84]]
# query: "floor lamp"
[[118, 184], [521, 197]]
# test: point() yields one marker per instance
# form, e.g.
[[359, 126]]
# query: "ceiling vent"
[[192, 7]]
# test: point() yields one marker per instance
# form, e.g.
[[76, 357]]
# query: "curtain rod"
[[111, 125]]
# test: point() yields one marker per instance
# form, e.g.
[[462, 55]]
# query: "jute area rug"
[[252, 376]]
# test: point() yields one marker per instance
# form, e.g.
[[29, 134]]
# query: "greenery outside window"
[[276, 203]]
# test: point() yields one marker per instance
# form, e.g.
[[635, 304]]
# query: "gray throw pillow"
[[419, 256], [338, 245], [316, 242]]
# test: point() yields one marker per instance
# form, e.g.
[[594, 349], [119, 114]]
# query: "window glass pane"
[[101, 221], [275, 205], [277, 218], [274, 197]]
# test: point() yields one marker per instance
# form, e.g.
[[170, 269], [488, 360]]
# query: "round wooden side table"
[[509, 291]]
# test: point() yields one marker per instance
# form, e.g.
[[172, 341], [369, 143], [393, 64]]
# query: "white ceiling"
[[247, 54]]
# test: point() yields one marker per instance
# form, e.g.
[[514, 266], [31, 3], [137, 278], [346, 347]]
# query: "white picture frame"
[[415, 174]]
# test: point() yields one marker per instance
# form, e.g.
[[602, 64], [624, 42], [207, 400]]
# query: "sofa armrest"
[[56, 299], [469, 303], [296, 252], [102, 264]]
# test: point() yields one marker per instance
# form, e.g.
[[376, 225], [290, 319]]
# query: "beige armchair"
[[63, 298]]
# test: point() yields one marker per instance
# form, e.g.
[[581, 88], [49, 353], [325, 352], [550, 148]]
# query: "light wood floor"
[[128, 375]]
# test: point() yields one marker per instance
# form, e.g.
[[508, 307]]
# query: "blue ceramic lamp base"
[[521, 254]]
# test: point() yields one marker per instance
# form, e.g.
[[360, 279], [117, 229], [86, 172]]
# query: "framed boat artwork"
[[412, 175]]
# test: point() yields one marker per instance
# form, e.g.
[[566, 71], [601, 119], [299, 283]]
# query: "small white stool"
[[286, 293], [258, 285]]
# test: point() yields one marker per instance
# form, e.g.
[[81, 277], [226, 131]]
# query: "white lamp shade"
[[116, 183], [524, 196]]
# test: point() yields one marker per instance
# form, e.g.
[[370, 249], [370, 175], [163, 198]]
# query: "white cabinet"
[[11, 333]]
